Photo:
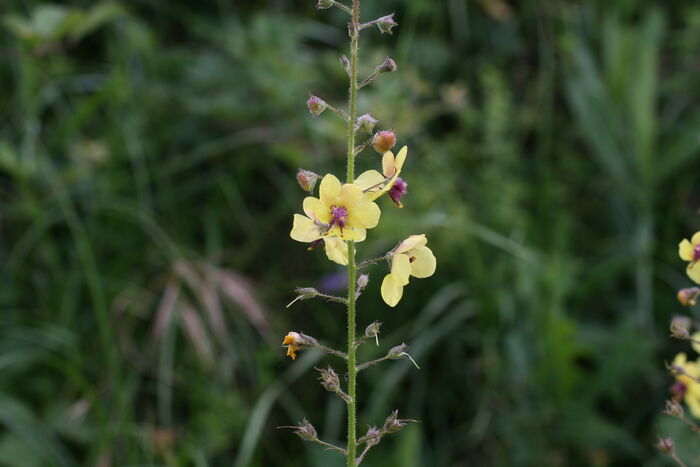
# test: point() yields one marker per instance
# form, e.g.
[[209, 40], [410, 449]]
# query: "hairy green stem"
[[352, 268]]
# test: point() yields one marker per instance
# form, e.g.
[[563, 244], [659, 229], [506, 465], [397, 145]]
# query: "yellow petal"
[[693, 403], [391, 290], [400, 268], [696, 238], [686, 250], [693, 271], [304, 229], [329, 189], [696, 341], [314, 207], [388, 164], [401, 158], [336, 250], [364, 215], [680, 359], [423, 264], [348, 233], [370, 179], [350, 195], [414, 241]]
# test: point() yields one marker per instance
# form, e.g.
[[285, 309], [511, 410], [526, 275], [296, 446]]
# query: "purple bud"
[[366, 123], [316, 106], [383, 141], [397, 191], [307, 180], [389, 66], [385, 23]]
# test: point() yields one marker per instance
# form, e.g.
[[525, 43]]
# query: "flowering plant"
[[337, 220]]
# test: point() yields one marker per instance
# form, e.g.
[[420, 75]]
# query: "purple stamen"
[[398, 190], [696, 253], [339, 216], [678, 390]]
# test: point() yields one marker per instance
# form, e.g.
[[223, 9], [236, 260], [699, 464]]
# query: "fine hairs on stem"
[[337, 220]]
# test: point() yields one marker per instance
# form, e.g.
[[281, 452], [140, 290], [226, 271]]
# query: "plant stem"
[[352, 269]]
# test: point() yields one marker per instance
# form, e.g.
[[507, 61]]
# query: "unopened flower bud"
[[666, 446], [366, 123], [329, 379], [316, 106], [345, 63], [373, 436], [306, 431], [385, 23], [398, 352], [362, 281], [323, 4], [392, 423], [680, 327], [389, 66], [303, 293], [688, 297], [307, 180], [373, 331], [383, 141], [674, 409]]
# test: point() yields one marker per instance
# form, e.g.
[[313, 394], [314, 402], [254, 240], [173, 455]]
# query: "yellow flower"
[[690, 251], [375, 184], [410, 258], [687, 387], [293, 342], [340, 213]]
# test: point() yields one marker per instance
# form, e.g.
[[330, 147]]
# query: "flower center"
[[398, 190], [678, 390], [339, 216], [696, 253]]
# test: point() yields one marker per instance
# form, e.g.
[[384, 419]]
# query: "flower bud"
[[323, 4], [392, 423], [362, 282], [688, 297], [316, 106], [306, 431], [383, 141], [345, 63], [329, 379], [398, 352], [373, 330], [666, 446], [307, 180], [385, 23], [389, 66], [674, 409], [365, 123], [680, 327], [373, 436]]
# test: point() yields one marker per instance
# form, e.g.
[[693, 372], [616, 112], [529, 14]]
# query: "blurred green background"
[[147, 159]]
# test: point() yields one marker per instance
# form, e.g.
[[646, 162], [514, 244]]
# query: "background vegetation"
[[147, 160]]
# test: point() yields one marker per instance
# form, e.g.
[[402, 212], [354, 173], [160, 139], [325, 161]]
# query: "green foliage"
[[147, 161]]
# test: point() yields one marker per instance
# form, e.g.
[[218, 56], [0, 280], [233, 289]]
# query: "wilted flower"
[[690, 251], [410, 258], [294, 342]]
